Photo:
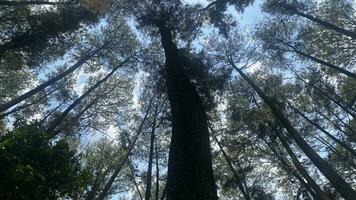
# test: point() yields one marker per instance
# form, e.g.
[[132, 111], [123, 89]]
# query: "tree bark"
[[190, 173], [164, 194], [325, 168]]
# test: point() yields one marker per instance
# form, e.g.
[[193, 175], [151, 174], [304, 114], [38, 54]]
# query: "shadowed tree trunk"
[[164, 194], [309, 184], [26, 105], [51, 112], [190, 173]]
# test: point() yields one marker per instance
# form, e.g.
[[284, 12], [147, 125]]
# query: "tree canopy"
[[178, 100]]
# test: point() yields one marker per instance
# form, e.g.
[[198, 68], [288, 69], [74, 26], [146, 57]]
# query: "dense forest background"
[[178, 100]]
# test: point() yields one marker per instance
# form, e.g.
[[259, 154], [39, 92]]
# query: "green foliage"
[[34, 167], [100, 159], [40, 42]]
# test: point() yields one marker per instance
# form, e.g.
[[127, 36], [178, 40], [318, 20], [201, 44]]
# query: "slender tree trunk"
[[134, 179], [59, 119], [319, 21], [26, 105], [108, 184], [32, 92], [337, 126], [345, 146], [310, 184], [157, 171], [320, 193], [51, 112], [150, 159], [288, 168], [234, 172], [338, 97], [325, 168], [190, 173], [325, 94], [92, 103], [89, 105], [317, 60]]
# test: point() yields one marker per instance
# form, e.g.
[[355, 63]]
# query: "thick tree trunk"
[[319, 21], [32, 92], [190, 173], [325, 168]]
